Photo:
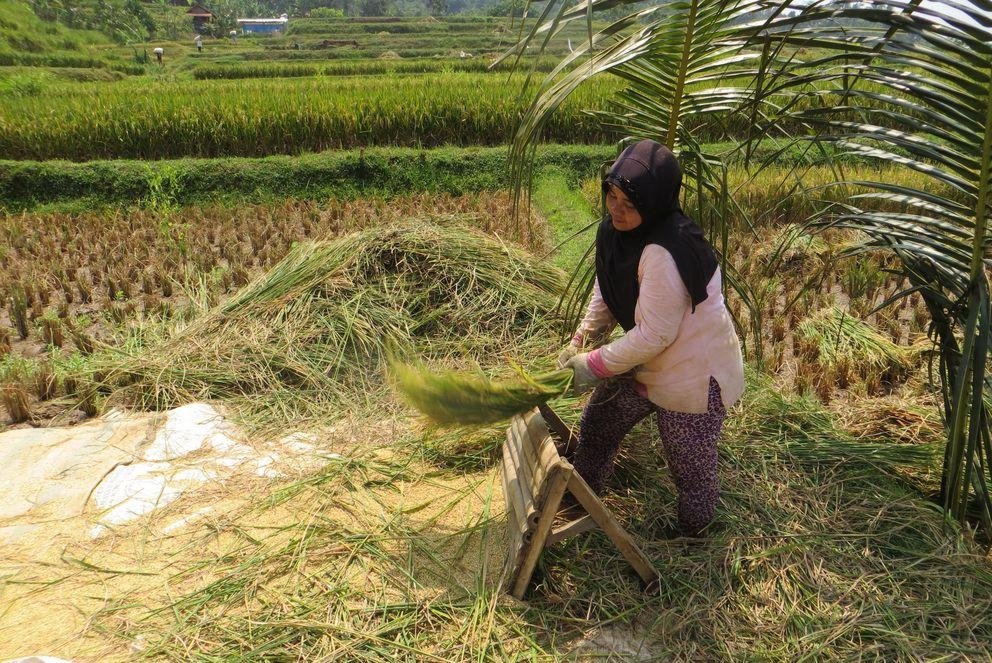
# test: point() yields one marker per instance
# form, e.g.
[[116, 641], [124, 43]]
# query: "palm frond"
[[685, 66], [923, 100]]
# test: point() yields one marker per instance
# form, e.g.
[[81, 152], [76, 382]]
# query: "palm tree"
[[914, 84], [894, 81]]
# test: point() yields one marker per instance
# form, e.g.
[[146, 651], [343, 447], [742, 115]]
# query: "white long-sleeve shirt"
[[673, 350]]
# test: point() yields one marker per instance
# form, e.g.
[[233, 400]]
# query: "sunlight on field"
[[245, 234]]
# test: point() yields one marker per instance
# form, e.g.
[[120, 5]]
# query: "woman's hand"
[[567, 353], [583, 377]]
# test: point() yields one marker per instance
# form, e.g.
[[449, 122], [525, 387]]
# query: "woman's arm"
[[661, 304], [597, 324]]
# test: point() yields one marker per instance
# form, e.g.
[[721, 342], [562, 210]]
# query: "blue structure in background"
[[263, 26]]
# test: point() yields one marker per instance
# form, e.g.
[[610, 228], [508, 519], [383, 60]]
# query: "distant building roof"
[[199, 10], [264, 21]]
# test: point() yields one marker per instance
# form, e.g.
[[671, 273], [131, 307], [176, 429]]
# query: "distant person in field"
[[199, 43], [679, 358]]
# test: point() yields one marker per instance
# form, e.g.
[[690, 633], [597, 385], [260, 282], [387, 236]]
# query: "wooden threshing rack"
[[535, 478]]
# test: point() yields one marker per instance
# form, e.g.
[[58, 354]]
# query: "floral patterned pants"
[[689, 440]]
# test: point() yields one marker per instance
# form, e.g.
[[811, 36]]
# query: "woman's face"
[[623, 213]]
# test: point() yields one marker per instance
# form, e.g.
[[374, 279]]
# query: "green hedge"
[[342, 174]]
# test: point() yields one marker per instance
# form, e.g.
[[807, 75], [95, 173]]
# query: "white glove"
[[583, 379], [567, 353]]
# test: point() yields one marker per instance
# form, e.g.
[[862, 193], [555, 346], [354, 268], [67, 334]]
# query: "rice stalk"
[[15, 399], [447, 397], [801, 429], [304, 338], [18, 312], [837, 340]]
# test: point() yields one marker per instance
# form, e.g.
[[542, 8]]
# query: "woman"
[[679, 357]]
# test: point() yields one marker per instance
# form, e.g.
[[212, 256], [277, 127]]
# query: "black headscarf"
[[649, 174]]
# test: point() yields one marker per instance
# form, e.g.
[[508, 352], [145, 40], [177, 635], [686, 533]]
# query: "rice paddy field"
[[266, 225]]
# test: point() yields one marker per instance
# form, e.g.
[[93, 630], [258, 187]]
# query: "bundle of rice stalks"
[[314, 331], [17, 378], [447, 397], [847, 351]]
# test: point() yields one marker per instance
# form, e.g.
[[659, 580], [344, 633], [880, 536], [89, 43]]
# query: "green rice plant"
[[22, 85], [45, 380], [84, 342], [70, 370], [357, 67], [276, 116], [799, 427], [90, 401], [448, 397], [862, 278]]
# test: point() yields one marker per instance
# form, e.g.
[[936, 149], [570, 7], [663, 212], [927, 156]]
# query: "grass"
[[22, 31], [181, 263], [825, 546], [389, 553], [567, 212], [188, 258]]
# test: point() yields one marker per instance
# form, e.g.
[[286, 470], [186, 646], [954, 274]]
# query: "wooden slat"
[[515, 539], [559, 479], [574, 528], [539, 449], [547, 450], [527, 440], [516, 438], [548, 455], [555, 424], [522, 433], [514, 497], [512, 514], [531, 456], [524, 480], [595, 508], [540, 437], [535, 478]]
